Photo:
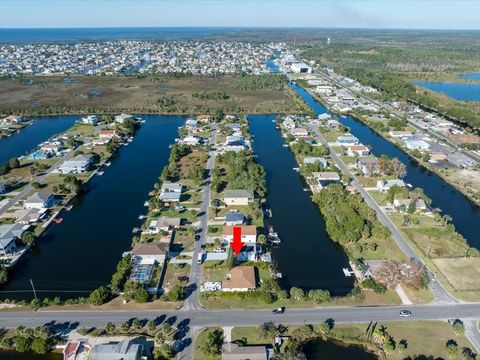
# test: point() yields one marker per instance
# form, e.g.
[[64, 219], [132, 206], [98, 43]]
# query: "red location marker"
[[237, 244]]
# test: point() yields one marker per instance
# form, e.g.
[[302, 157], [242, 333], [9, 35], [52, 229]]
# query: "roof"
[[231, 351], [368, 160], [172, 195], [358, 147], [166, 221], [171, 187], [237, 194], [246, 230], [124, 350], [241, 277], [150, 249], [39, 197], [326, 175]]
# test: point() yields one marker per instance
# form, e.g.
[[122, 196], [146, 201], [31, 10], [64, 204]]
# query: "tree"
[[402, 345], [213, 343], [164, 352], [136, 324], [151, 326], [40, 346], [3, 273], [297, 294], [319, 296], [452, 348], [28, 237], [99, 296], [14, 163], [324, 328], [133, 289], [22, 344], [175, 294], [458, 327], [141, 295], [124, 327], [110, 328]]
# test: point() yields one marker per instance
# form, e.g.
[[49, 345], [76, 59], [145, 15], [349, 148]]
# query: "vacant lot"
[[160, 94], [462, 273]]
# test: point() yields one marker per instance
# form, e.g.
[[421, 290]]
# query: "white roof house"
[[171, 187], [417, 145], [299, 132], [385, 185], [79, 164], [122, 118], [313, 160], [347, 140], [39, 200]]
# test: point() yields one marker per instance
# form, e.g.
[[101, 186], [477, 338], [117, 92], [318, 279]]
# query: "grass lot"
[[173, 272], [182, 241], [214, 270], [200, 341], [121, 93], [462, 273]]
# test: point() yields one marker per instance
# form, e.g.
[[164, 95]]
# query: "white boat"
[[100, 173], [141, 217], [108, 163], [273, 237]]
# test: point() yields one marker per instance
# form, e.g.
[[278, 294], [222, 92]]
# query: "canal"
[[81, 253], [23, 141], [307, 258], [319, 350], [465, 214]]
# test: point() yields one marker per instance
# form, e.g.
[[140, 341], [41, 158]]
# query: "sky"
[[400, 14]]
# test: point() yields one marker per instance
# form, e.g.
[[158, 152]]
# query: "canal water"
[[319, 350], [23, 141], [465, 214], [13, 355], [307, 258], [81, 253], [457, 91]]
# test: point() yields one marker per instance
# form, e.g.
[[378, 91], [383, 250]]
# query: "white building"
[[347, 140], [385, 185], [417, 145], [90, 119], [39, 200], [78, 165], [300, 68]]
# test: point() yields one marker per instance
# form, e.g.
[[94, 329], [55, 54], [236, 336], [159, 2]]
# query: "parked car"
[[279, 310], [405, 313], [219, 250]]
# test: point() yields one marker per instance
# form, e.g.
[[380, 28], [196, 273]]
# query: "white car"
[[405, 313]]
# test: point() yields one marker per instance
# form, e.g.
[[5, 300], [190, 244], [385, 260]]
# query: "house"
[[420, 204], [124, 350], [289, 123], [39, 200], [237, 197], [299, 132], [163, 224], [324, 117], [13, 119], [29, 216], [347, 140], [107, 135], [3, 188], [171, 187], [191, 140], [417, 145], [151, 251], [122, 118], [71, 350], [438, 156], [231, 351], [240, 278], [326, 178], [404, 135], [248, 233], [169, 197], [232, 219], [333, 124], [236, 143], [358, 150], [49, 148], [313, 160], [90, 119], [385, 185], [9, 233], [78, 165], [324, 89], [368, 165], [191, 124]]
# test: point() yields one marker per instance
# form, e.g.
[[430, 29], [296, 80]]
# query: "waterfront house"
[[171, 187], [326, 178], [385, 185], [3, 188], [313, 160], [289, 123], [163, 224], [237, 197], [171, 192], [417, 145], [124, 350], [324, 117], [191, 140], [191, 124], [150, 251], [107, 134], [404, 135], [368, 165], [358, 150], [248, 234], [90, 119], [240, 278], [299, 132], [122, 118], [78, 165], [50, 148], [232, 351], [29, 216], [236, 143], [39, 155], [13, 119], [232, 219], [9, 233], [349, 140], [39, 200], [333, 124], [420, 204]]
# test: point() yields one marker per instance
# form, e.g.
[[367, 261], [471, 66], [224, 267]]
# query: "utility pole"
[[33, 289]]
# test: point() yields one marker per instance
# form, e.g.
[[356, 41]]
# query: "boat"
[[268, 212], [347, 272], [296, 169], [58, 220], [272, 236], [69, 207], [146, 203], [135, 230], [108, 163], [100, 173], [141, 217]]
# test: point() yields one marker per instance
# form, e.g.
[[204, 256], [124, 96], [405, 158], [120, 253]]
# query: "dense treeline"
[[347, 217], [211, 95]]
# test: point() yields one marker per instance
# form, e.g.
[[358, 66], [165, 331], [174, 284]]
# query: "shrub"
[[99, 296]]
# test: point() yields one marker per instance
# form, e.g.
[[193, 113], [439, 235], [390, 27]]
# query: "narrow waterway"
[[307, 258], [23, 141], [465, 214], [81, 253], [319, 350]]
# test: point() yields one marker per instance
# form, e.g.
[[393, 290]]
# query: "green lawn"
[[199, 344]]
